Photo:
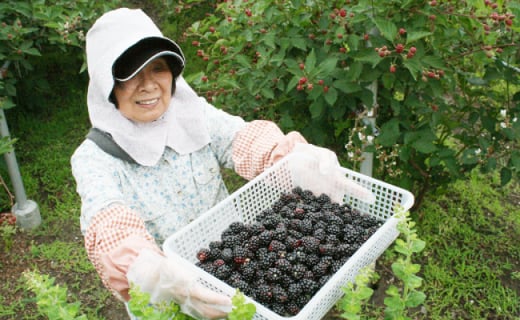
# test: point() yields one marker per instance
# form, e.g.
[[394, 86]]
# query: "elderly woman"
[[151, 163]]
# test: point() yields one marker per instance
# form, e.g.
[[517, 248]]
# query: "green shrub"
[[438, 76]]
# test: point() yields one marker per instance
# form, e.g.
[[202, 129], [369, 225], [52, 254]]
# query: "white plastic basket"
[[259, 194]]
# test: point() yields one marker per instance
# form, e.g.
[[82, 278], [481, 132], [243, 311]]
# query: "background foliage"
[[439, 77]]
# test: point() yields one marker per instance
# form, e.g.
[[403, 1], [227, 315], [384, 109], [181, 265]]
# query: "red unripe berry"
[[302, 66], [302, 80], [200, 53], [204, 78], [248, 12], [299, 87], [343, 13], [195, 43], [340, 36], [325, 89], [382, 53], [413, 49], [342, 50], [366, 37], [402, 31], [509, 22], [392, 68], [212, 29], [312, 36], [399, 48], [434, 107], [320, 82], [431, 74], [432, 17], [310, 86], [433, 3]]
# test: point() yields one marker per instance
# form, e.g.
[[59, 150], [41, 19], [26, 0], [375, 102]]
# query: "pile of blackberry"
[[292, 249]]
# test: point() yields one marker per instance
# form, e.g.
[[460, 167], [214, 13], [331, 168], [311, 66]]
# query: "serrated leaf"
[[412, 36], [387, 28], [310, 61], [326, 67], [414, 66]]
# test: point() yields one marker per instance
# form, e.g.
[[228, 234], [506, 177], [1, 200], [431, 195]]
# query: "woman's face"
[[147, 95]]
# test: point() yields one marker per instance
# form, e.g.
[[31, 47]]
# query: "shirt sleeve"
[[223, 128], [113, 240], [97, 183], [260, 144]]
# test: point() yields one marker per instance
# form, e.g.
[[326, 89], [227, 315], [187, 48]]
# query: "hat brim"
[[135, 58]]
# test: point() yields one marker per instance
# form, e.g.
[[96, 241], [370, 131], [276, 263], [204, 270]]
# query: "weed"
[[7, 232]]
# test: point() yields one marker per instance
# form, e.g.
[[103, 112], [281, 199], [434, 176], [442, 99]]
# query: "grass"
[[473, 251]]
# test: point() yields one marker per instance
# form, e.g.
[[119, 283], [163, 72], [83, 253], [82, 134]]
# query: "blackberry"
[[306, 227], [297, 191], [240, 255], [280, 233], [344, 250], [255, 228], [278, 308], [308, 196], [294, 289], [332, 239], [203, 254], [206, 266], [264, 293], [321, 268], [298, 271], [351, 233], [270, 222], [276, 246], [334, 229], [223, 272], [248, 270], [292, 308], [279, 294], [253, 243], [323, 199], [216, 245], [273, 275], [293, 242], [308, 285], [320, 234], [310, 244], [299, 212], [265, 237], [312, 260], [231, 240], [283, 265], [215, 253], [286, 212], [237, 227], [327, 249], [336, 265], [227, 255]]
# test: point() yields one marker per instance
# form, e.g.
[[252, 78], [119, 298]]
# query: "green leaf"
[[387, 28], [412, 36], [390, 133], [331, 96], [505, 176], [326, 67], [310, 61], [346, 86], [414, 66], [316, 109], [415, 299]]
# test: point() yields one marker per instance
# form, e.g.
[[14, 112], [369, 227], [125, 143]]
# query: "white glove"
[[170, 279], [330, 179]]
